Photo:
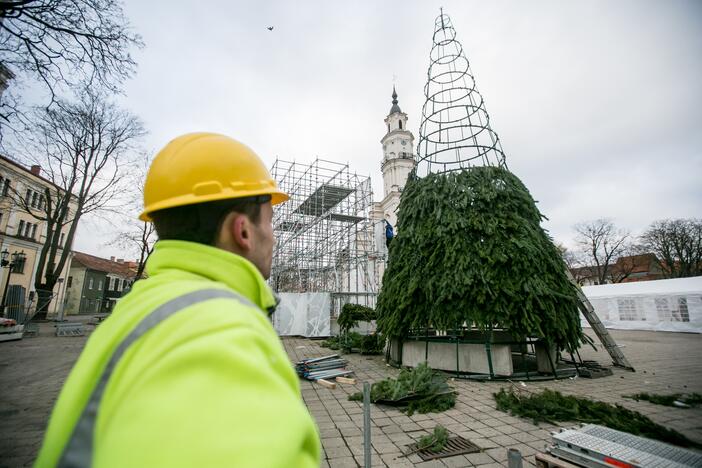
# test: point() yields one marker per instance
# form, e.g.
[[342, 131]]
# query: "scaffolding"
[[324, 233]]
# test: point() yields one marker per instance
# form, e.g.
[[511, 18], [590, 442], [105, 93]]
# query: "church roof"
[[395, 107]]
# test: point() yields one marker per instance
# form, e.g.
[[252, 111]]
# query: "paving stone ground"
[[33, 370]]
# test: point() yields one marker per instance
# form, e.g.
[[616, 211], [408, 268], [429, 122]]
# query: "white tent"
[[662, 305]]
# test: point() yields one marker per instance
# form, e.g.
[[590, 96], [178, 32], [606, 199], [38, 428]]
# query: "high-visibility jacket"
[[202, 381]]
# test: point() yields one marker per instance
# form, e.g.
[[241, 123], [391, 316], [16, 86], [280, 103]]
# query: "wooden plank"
[[326, 383], [346, 380], [544, 460]]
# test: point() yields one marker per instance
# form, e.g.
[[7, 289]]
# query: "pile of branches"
[[470, 249], [421, 390], [351, 314], [352, 342], [551, 406], [433, 442]]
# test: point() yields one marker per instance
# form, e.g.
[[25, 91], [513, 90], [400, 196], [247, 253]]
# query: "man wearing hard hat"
[[188, 371]]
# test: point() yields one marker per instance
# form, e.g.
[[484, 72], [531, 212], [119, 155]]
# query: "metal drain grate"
[[456, 445]]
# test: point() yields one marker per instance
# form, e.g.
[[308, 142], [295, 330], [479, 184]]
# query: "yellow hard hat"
[[204, 167]]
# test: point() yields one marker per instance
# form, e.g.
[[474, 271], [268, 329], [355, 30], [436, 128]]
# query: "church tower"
[[398, 160]]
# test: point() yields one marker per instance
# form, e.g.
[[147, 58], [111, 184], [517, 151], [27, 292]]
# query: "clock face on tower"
[[404, 142]]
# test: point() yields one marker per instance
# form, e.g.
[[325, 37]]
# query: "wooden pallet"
[[544, 460]]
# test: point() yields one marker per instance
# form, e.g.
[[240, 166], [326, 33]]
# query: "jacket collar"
[[213, 264]]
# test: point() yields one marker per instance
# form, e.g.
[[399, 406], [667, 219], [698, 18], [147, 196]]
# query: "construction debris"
[[327, 367]]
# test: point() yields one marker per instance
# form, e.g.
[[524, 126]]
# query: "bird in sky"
[[270, 28]]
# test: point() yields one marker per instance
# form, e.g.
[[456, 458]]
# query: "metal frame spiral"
[[455, 130]]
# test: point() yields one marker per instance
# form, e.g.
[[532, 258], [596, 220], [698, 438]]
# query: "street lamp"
[[17, 259]]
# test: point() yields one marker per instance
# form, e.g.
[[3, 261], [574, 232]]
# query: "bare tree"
[[134, 235], [58, 43], [677, 244], [85, 148], [574, 263], [601, 243]]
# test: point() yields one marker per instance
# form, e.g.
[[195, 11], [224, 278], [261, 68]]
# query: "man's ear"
[[240, 231]]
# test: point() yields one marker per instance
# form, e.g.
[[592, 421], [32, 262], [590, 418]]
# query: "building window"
[[124, 284], [20, 228], [100, 285], [90, 284], [628, 310], [0, 217], [6, 187], [19, 265], [34, 231], [69, 283], [41, 202], [116, 285], [28, 197], [27, 229], [400, 124]]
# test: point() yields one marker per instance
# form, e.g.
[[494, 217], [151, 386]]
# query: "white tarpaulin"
[[661, 305], [303, 314]]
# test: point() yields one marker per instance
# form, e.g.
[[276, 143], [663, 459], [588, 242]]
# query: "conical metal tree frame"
[[455, 130]]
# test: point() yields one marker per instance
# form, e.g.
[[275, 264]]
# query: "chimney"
[[112, 259], [35, 170]]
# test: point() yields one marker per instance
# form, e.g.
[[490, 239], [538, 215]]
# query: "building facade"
[[23, 233], [628, 269], [95, 284]]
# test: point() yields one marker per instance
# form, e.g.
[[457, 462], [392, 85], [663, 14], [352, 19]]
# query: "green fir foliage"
[[434, 442], [470, 249], [351, 314], [353, 342], [551, 406], [420, 390]]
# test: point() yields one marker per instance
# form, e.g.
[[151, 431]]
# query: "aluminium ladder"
[[618, 358]]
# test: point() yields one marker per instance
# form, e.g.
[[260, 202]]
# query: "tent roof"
[[644, 288]]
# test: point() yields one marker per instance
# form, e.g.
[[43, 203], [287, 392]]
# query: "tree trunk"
[[44, 296]]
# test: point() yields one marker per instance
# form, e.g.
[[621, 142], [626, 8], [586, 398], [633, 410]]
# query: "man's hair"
[[202, 222]]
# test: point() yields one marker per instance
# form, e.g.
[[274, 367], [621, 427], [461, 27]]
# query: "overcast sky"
[[598, 103]]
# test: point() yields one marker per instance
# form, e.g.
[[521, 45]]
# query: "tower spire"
[[395, 107]]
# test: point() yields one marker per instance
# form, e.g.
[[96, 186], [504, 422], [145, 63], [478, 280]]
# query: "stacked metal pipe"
[[327, 367]]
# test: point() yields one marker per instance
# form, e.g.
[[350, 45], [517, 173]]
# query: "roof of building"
[[395, 107], [28, 171], [92, 262]]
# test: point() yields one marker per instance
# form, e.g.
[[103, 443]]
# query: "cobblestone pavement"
[[33, 370], [665, 363]]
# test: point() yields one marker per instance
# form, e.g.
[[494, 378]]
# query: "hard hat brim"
[[277, 197]]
